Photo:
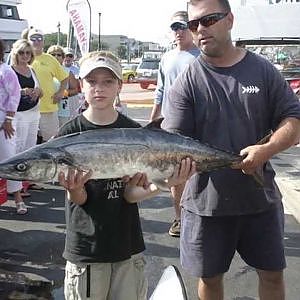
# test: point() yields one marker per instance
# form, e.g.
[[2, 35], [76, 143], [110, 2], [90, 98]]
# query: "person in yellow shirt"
[[46, 68]]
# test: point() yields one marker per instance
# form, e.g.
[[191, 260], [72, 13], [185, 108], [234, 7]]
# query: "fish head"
[[32, 166]]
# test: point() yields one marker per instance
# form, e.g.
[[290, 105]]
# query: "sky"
[[144, 20]]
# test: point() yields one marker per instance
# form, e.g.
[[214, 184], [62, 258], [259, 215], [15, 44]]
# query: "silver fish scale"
[[113, 153]]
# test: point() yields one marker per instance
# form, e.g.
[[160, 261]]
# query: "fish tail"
[[259, 178]]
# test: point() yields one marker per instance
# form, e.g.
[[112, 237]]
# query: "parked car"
[[147, 72], [284, 53], [129, 72]]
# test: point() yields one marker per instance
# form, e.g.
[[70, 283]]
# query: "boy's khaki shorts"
[[106, 281]]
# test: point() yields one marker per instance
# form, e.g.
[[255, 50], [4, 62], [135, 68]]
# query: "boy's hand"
[[138, 179], [74, 180], [182, 172]]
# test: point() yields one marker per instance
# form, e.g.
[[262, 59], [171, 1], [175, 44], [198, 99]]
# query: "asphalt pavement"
[[31, 265]]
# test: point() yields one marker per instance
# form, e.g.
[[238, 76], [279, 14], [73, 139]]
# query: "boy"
[[104, 238]]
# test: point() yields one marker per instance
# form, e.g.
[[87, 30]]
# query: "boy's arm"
[[138, 188], [134, 194], [77, 196]]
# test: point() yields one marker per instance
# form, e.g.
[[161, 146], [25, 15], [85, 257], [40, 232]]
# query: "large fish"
[[113, 153]]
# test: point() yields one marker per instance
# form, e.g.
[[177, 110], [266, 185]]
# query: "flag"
[[80, 15]]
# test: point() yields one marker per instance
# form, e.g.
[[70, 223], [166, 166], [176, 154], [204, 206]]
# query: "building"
[[132, 47], [269, 19], [11, 25]]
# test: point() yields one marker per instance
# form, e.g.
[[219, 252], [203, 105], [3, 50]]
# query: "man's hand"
[[255, 156], [58, 96]]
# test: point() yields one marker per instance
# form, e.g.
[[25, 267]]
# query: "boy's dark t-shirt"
[[106, 228]]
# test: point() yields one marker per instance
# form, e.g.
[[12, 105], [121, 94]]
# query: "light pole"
[[58, 33], [99, 32]]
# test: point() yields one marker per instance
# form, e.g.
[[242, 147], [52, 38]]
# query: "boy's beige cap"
[[93, 63]]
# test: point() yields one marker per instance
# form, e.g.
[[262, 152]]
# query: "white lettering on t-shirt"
[[114, 187]]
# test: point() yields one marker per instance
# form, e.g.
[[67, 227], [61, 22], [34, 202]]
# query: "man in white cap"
[[47, 68], [69, 62], [173, 63]]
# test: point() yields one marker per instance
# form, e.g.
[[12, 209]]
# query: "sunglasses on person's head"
[[178, 26], [206, 21], [36, 38], [21, 52]]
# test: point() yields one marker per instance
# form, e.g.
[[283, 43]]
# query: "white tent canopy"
[[254, 22]]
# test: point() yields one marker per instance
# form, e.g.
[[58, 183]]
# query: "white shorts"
[[122, 280], [48, 125]]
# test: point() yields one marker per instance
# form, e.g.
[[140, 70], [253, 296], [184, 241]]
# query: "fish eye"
[[21, 167]]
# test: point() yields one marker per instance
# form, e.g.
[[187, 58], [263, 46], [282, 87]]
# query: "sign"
[[80, 15], [283, 1]]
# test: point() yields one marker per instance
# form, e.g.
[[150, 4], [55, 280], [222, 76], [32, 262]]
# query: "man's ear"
[[230, 20], [120, 86]]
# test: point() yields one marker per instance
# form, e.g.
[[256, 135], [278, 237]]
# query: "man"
[[47, 68], [231, 98], [69, 62], [75, 100], [173, 63]]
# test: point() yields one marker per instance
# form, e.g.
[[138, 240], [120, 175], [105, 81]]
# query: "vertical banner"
[[80, 15]]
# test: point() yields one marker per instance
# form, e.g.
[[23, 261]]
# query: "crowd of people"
[[200, 95], [41, 92]]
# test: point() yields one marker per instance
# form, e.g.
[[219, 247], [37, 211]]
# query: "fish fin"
[[259, 177], [161, 184], [155, 124]]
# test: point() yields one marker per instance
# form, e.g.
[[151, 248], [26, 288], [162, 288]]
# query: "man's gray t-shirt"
[[172, 64], [230, 108]]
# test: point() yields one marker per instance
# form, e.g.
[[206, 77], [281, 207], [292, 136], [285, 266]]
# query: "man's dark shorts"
[[208, 244]]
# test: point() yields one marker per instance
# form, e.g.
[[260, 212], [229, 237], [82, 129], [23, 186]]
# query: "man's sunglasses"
[[206, 21], [57, 54], [178, 26], [38, 38], [70, 55]]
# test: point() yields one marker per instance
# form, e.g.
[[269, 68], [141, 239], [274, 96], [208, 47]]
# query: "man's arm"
[[287, 135], [159, 92], [156, 111], [60, 93]]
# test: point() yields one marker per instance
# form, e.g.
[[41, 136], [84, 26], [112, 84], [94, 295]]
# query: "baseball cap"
[[34, 31], [179, 17], [92, 63], [68, 51]]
